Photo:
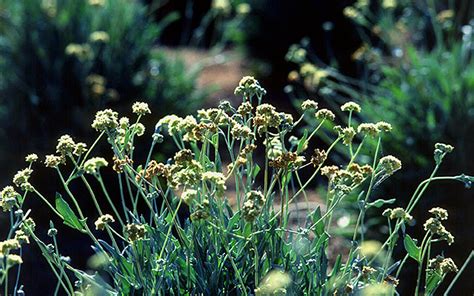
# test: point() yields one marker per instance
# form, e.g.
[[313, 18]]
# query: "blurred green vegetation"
[[61, 60]]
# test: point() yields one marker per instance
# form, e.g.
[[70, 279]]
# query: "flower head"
[[80, 149], [22, 177], [8, 198], [400, 213], [249, 86], [105, 119], [319, 157], [31, 158], [135, 232], [390, 164], [351, 107], [383, 126], [139, 129], [13, 259], [53, 161], [369, 129], [103, 220], [92, 166], [65, 145], [140, 108], [309, 105], [189, 196], [439, 213], [325, 114]]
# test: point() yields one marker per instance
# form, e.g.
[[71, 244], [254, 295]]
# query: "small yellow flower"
[[140, 108], [309, 105], [390, 164], [351, 106], [31, 158], [92, 166], [99, 36], [325, 114], [13, 259], [105, 119], [53, 161], [103, 220], [65, 145], [135, 231]]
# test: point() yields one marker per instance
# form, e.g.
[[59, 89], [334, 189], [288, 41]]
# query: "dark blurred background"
[[407, 62]]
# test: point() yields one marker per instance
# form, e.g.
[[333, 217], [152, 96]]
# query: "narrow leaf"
[[411, 248], [70, 219], [380, 202]]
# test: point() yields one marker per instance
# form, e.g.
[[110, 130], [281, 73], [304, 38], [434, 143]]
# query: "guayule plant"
[[248, 248]]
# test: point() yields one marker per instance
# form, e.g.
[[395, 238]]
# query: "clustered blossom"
[[390, 164], [66, 145], [325, 114], [135, 232], [245, 108], [253, 205], [435, 226], [383, 126], [440, 151], [309, 105], [216, 178], [241, 131], [138, 128], [248, 87], [22, 237], [103, 221], [397, 213], [266, 116], [140, 108], [105, 120], [155, 169], [347, 134], [53, 161], [191, 130], [185, 171], [312, 74], [319, 157], [201, 211], [21, 179], [351, 107], [368, 129], [286, 159], [6, 247], [80, 149], [31, 158], [345, 180], [8, 198], [442, 265], [439, 213], [189, 196], [92, 166]]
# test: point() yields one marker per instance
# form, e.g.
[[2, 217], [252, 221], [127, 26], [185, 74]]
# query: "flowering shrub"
[[250, 248]]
